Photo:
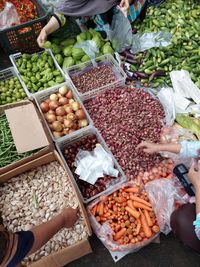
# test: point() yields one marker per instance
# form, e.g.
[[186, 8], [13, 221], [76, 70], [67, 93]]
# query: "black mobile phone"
[[181, 172]]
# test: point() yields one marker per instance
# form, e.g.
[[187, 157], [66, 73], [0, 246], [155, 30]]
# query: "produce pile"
[[26, 10], [63, 113], [125, 117], [35, 197], [8, 152], [94, 78], [11, 91], [38, 71], [70, 151], [182, 19], [67, 55], [130, 215]]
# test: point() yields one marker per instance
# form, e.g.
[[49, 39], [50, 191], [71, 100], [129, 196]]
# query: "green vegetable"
[[8, 152], [67, 51], [68, 62], [67, 42], [47, 44], [97, 41], [55, 49], [77, 53], [85, 58], [11, 91], [59, 59], [107, 49], [190, 123], [59, 79]]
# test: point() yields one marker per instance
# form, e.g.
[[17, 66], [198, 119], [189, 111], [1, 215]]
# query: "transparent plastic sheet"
[[91, 165], [120, 32], [145, 41], [164, 194], [89, 47], [8, 16], [104, 232], [165, 95]]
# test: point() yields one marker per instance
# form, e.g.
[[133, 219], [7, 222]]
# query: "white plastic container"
[[43, 95]]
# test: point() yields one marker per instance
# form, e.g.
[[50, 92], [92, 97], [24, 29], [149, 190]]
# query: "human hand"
[[194, 175], [148, 147], [125, 5], [70, 216], [42, 38]]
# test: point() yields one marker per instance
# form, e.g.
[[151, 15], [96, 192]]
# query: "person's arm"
[[42, 233], [151, 148], [56, 21]]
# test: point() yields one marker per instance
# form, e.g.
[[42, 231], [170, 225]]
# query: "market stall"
[[73, 114]]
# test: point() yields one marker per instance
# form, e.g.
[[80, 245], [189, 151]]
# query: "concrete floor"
[[169, 253]]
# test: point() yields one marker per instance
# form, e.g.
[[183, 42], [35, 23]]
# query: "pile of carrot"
[[129, 214], [163, 170]]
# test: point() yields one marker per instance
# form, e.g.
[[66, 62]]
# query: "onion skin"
[[60, 111], [60, 118], [69, 95], [57, 134], [53, 105], [80, 114], [75, 106], [44, 107], [68, 108], [57, 126], [51, 118], [62, 101], [71, 116], [82, 123], [68, 123], [63, 90], [53, 97]]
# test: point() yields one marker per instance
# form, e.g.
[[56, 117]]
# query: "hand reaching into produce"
[[70, 216], [42, 38], [151, 148]]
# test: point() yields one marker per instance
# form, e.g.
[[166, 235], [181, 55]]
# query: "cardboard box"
[[68, 254], [28, 133]]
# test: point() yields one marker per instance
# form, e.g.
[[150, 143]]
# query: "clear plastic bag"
[[9, 16], [145, 41], [164, 194], [89, 47], [104, 232], [165, 95], [120, 32]]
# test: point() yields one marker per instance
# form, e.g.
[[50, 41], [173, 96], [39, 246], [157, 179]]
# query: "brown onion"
[[80, 114], [53, 105], [57, 134], [60, 111], [57, 126], [63, 90], [69, 94], [82, 123], [44, 107], [71, 101], [53, 97], [63, 100], [50, 118], [71, 116], [75, 106], [51, 112], [68, 123], [60, 118], [68, 108]]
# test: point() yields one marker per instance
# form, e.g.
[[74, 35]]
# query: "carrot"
[[131, 190], [101, 209], [138, 199], [141, 206], [130, 204], [146, 228], [155, 229], [94, 210], [139, 225], [119, 234], [120, 199], [134, 213], [148, 218]]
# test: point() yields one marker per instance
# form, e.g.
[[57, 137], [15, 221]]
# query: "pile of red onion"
[[125, 117]]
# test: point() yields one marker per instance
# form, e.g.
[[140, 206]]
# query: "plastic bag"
[[120, 32], [9, 16], [144, 41], [165, 95], [183, 85], [104, 232], [89, 47], [91, 165], [164, 194]]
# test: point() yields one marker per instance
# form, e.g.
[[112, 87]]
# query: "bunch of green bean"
[[182, 19], [8, 152]]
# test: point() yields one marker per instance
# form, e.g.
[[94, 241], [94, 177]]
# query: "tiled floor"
[[169, 253]]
